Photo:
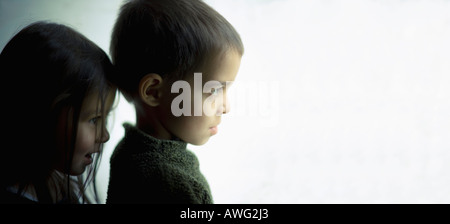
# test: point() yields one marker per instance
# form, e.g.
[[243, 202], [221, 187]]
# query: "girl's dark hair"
[[169, 37], [46, 69]]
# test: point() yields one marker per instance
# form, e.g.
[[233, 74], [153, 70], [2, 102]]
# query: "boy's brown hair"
[[171, 38]]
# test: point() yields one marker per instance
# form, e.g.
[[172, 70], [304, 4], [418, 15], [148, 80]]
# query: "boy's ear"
[[150, 89]]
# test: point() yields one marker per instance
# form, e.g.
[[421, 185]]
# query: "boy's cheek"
[[210, 107]]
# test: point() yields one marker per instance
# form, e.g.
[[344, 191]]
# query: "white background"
[[335, 102]]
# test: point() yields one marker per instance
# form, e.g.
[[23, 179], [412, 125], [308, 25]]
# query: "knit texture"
[[149, 170]]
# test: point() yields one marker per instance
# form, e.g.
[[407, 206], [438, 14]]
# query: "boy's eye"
[[216, 91]]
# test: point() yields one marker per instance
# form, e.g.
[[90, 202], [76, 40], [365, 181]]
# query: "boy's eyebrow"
[[223, 83], [212, 80], [228, 83]]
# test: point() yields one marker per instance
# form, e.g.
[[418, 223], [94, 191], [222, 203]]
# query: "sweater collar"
[[132, 131]]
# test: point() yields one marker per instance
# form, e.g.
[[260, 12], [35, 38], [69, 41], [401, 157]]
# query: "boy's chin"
[[199, 141]]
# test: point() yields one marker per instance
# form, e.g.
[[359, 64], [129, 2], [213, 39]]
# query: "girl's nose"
[[105, 136]]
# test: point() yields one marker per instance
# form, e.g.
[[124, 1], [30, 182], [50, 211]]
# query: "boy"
[[157, 46]]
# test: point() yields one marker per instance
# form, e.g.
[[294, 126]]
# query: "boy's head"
[[171, 38], [157, 42]]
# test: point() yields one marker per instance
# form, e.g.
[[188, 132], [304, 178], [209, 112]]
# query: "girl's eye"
[[94, 120]]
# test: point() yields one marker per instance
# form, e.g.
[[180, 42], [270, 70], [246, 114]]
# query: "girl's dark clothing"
[[7, 197], [149, 170]]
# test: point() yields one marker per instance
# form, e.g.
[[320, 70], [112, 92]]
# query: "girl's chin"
[[78, 171]]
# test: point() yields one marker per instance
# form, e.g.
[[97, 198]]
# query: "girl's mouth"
[[89, 158]]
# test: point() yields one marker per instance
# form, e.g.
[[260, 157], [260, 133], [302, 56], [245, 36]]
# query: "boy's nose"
[[226, 106]]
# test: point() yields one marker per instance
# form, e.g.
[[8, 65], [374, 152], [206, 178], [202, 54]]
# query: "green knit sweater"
[[149, 170]]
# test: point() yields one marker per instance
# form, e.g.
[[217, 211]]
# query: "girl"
[[55, 101]]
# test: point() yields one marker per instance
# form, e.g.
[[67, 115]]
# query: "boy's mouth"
[[214, 130]]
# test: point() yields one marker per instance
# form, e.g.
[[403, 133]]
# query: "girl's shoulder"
[[7, 197]]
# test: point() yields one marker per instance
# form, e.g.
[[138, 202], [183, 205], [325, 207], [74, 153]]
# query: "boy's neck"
[[151, 125]]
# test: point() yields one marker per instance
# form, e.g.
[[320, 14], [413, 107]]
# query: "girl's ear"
[[150, 89]]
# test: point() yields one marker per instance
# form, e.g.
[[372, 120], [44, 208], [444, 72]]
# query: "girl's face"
[[91, 133]]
